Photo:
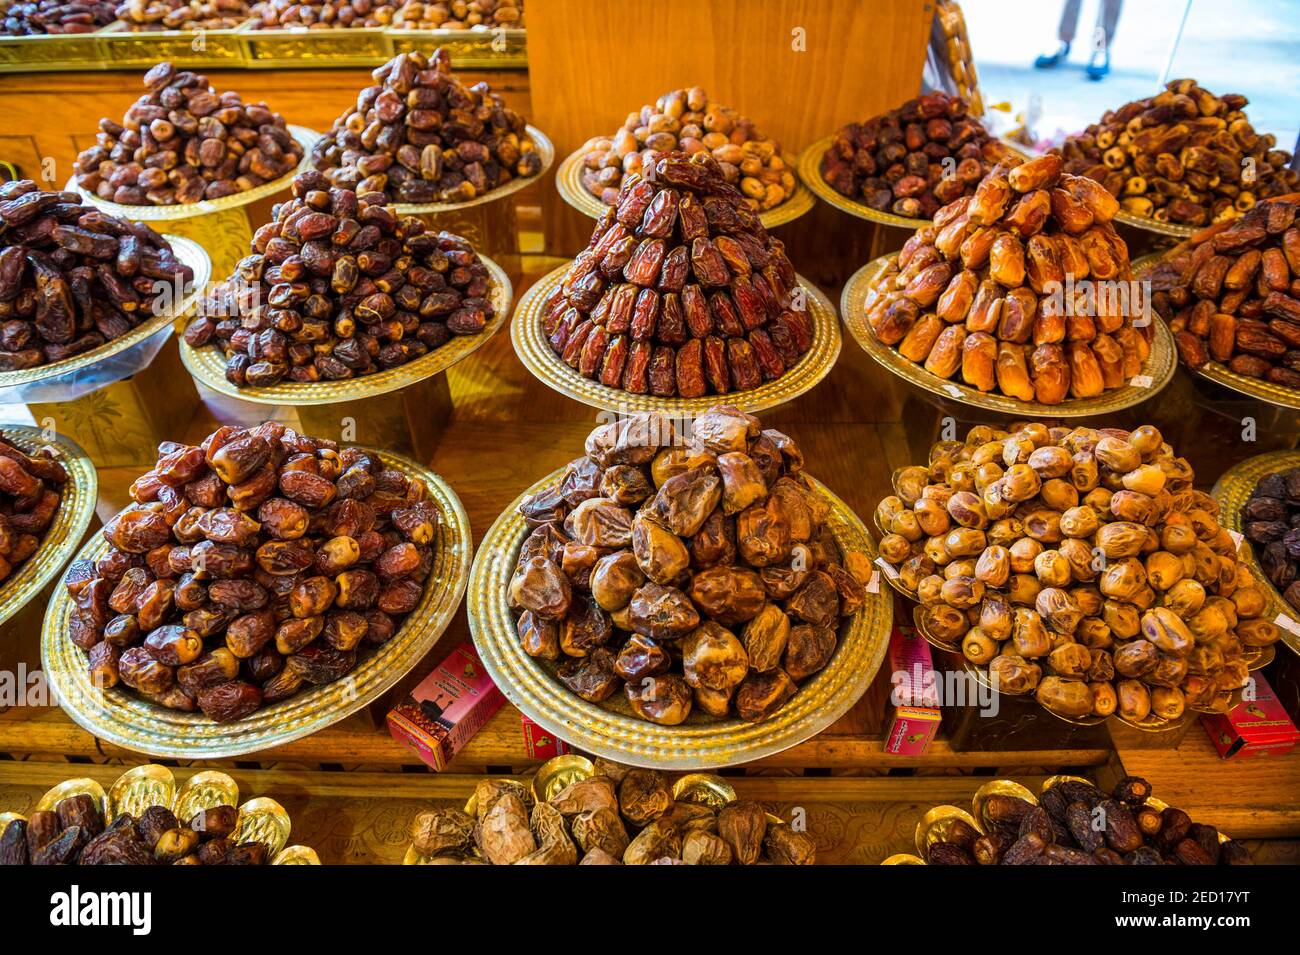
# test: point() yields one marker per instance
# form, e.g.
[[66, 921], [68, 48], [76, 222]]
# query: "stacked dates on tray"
[[1270, 520], [73, 278], [698, 575], [255, 564], [1078, 565], [352, 289], [681, 291], [31, 488]]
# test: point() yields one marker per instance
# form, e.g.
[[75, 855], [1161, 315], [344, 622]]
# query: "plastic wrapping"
[[82, 381]]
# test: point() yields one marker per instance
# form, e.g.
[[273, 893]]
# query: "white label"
[[953, 390], [1236, 536], [873, 585], [1286, 623], [1141, 381], [887, 567]]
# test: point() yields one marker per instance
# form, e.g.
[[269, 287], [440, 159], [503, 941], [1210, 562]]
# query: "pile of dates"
[[38, 17], [350, 289], [1184, 156], [687, 573], [687, 120], [73, 833], [182, 142], [1075, 823], [148, 15], [620, 816], [459, 15], [1079, 565], [1270, 520], [681, 291], [420, 135], [437, 15], [1234, 296], [31, 487], [1003, 290], [912, 160], [73, 278], [249, 567]]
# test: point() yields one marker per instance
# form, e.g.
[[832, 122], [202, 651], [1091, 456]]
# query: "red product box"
[[1257, 726], [541, 743], [447, 708], [915, 694]]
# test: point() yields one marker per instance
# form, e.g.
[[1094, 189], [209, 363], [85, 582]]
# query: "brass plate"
[[705, 789], [568, 180], [63, 536], [139, 788], [305, 138], [205, 790], [1232, 490], [535, 352], [918, 621], [810, 172], [120, 47], [1159, 367], [296, 855], [50, 52], [136, 724], [208, 364], [75, 787], [189, 253], [904, 858], [700, 742], [263, 820], [998, 787], [937, 823], [1147, 224], [558, 773], [545, 148]]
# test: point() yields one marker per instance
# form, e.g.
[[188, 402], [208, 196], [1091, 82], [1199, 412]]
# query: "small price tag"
[[888, 568], [953, 390], [1237, 538], [1286, 623], [1141, 381], [873, 585]]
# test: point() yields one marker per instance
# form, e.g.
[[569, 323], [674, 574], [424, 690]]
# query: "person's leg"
[[1107, 19], [1069, 23]]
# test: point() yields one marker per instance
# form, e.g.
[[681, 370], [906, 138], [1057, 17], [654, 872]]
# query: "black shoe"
[[1049, 60], [1095, 70]]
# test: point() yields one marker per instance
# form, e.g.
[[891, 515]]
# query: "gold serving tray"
[[260, 820], [121, 48], [189, 253], [208, 364], [1232, 490], [122, 718], [1147, 224], [568, 180], [63, 536], [545, 149], [535, 352], [1159, 367], [810, 172], [50, 52], [612, 730]]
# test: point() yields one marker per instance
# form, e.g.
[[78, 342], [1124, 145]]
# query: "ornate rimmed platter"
[[545, 148], [120, 717], [208, 364], [189, 253], [810, 173], [612, 730], [568, 181], [535, 352], [1148, 224], [1156, 373]]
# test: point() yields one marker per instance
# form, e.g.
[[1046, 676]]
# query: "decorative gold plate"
[[1232, 490], [126, 720], [1147, 224], [611, 730], [810, 172], [545, 148], [189, 253], [1159, 367], [208, 363], [63, 536], [535, 352], [568, 180], [305, 138]]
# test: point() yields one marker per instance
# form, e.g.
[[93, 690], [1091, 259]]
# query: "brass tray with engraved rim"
[[535, 352], [208, 363], [1158, 370], [612, 730], [63, 536], [189, 253], [124, 719], [568, 180]]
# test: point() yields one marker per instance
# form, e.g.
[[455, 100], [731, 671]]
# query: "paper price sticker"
[[873, 585], [1286, 623], [953, 390], [888, 568], [1141, 381], [1237, 537]]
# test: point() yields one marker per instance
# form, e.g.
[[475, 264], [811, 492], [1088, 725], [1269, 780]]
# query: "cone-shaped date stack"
[[1023, 287], [339, 287], [681, 291]]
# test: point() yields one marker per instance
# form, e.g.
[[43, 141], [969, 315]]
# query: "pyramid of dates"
[[981, 295], [1079, 565], [681, 291], [249, 567], [420, 135], [695, 574], [1183, 156], [339, 287], [1234, 296], [73, 833], [31, 488], [182, 142], [619, 816], [687, 120], [1076, 823], [911, 160], [73, 278], [1270, 520]]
